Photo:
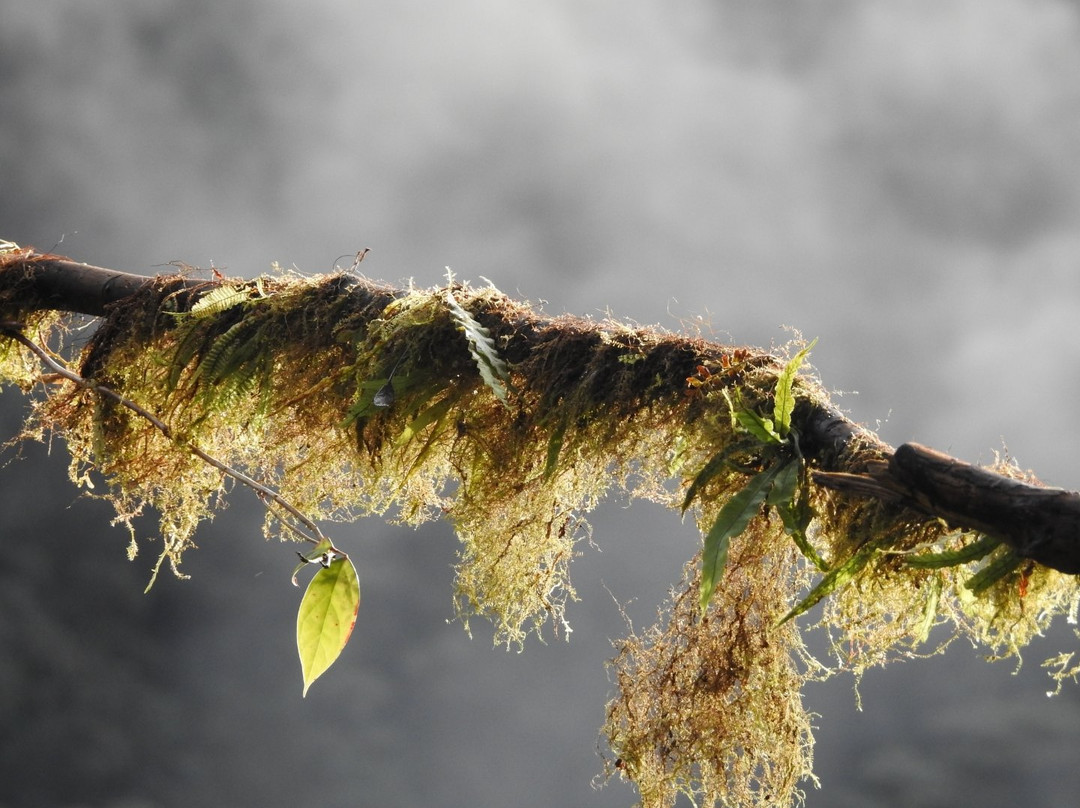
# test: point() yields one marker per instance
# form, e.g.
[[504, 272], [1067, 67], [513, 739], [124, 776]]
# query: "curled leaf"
[[385, 395], [323, 553]]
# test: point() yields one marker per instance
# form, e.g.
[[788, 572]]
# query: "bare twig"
[[266, 494]]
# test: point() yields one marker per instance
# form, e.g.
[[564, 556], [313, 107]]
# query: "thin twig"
[[266, 495]]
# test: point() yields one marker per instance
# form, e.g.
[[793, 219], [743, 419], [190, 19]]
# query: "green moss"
[[279, 378]]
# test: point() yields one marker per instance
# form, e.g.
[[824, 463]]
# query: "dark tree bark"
[[55, 282]]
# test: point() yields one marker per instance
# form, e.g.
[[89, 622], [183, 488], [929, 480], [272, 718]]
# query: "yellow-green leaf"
[[326, 618], [431, 415], [784, 400], [761, 428], [930, 606], [730, 522], [221, 298]]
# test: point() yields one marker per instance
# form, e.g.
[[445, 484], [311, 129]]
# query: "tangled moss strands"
[[711, 706], [350, 397]]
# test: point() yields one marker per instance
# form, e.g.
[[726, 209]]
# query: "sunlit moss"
[[711, 706], [288, 379]]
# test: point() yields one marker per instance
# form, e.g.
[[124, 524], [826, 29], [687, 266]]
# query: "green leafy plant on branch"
[[333, 397]]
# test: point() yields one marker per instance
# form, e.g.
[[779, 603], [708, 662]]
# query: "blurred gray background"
[[899, 179]]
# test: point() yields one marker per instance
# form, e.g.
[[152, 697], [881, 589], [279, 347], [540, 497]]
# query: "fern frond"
[[219, 299], [493, 368]]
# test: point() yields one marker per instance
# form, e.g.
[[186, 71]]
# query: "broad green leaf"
[[326, 618], [784, 400], [837, 579], [993, 572], [786, 485], [950, 558], [730, 522], [741, 415]]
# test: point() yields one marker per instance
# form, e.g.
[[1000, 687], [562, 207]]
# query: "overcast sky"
[[899, 179]]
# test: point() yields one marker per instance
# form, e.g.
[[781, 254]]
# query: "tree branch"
[[58, 283], [1037, 522]]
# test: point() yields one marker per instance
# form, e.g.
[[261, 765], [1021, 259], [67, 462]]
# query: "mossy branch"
[[1039, 522], [351, 397], [268, 496]]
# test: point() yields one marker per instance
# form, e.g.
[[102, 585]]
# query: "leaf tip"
[[705, 596]]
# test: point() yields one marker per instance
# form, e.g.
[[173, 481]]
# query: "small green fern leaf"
[[235, 366], [218, 352], [219, 299], [493, 369], [247, 379], [191, 338], [784, 403]]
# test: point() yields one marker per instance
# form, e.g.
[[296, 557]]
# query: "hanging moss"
[[351, 398]]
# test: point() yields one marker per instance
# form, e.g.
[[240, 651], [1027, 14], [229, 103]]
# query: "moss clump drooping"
[[351, 397]]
